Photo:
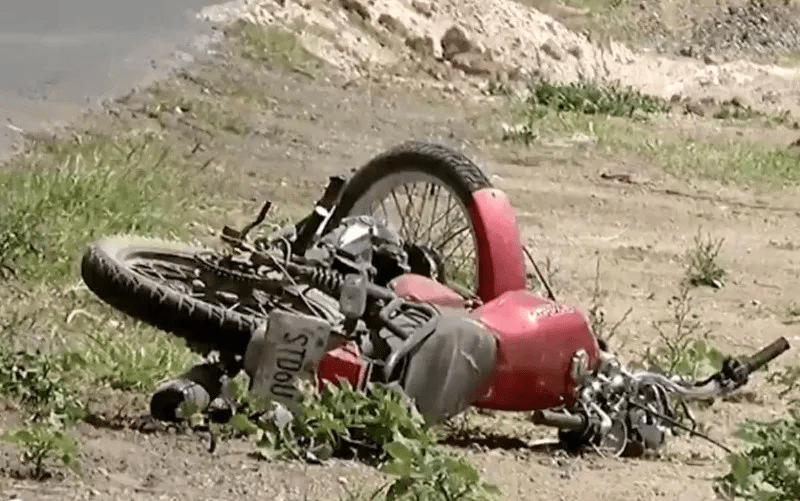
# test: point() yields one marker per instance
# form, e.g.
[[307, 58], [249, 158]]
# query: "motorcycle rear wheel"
[[438, 168], [114, 269]]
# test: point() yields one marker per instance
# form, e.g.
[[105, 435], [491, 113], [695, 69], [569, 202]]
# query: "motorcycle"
[[344, 295]]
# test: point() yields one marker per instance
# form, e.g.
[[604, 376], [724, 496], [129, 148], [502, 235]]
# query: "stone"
[[473, 64], [455, 41], [576, 51], [392, 24], [421, 45], [357, 7], [552, 49], [424, 7]]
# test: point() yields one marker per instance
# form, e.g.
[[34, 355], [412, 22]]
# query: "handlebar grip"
[[559, 420], [767, 354]]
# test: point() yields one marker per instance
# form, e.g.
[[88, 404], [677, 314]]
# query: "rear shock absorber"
[[327, 279]]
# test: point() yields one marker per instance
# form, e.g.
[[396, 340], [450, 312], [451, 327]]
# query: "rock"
[[392, 24], [424, 7], [552, 49], [694, 108], [421, 45], [708, 101], [455, 41], [739, 102], [357, 7], [474, 64], [710, 59], [576, 51]]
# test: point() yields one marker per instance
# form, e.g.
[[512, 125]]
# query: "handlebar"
[[767, 354], [734, 374], [560, 420]]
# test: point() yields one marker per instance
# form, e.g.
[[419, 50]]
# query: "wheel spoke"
[[203, 285], [442, 223]]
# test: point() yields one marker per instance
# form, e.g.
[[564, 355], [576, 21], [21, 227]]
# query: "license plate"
[[294, 344]]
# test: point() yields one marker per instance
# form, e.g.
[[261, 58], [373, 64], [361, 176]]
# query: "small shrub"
[[684, 349], [377, 425], [591, 99], [770, 468], [36, 380], [597, 312], [43, 445], [703, 266]]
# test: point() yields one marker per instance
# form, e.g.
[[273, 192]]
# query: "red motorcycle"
[[350, 293]]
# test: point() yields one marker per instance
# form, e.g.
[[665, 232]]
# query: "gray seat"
[[446, 372]]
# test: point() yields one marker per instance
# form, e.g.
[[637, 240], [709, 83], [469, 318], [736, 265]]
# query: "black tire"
[[105, 270], [450, 167]]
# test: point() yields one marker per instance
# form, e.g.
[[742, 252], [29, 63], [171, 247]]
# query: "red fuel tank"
[[536, 340]]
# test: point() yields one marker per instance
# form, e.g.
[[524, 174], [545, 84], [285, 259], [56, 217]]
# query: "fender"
[[501, 263]]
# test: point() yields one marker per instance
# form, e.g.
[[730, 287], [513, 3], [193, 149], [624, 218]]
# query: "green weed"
[[703, 266], [138, 365], [684, 349], [65, 193], [770, 468], [377, 426], [592, 99], [42, 446]]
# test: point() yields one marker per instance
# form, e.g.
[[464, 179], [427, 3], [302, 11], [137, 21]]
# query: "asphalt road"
[[58, 57]]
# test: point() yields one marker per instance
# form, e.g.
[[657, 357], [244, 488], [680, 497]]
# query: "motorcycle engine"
[[364, 241]]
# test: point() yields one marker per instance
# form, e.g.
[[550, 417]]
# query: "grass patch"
[[729, 160], [648, 136], [590, 99], [275, 48], [65, 193]]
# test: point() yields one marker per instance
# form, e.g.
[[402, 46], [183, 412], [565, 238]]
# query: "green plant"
[[42, 445], [591, 99], [770, 469], [703, 267], [63, 193], [427, 472], [685, 349], [377, 425], [36, 380]]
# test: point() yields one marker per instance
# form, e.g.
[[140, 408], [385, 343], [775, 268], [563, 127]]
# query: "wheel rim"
[[181, 273], [424, 210]]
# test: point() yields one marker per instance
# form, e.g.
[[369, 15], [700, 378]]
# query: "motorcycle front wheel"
[[423, 191]]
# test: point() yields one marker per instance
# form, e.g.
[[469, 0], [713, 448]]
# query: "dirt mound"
[[506, 40], [755, 28]]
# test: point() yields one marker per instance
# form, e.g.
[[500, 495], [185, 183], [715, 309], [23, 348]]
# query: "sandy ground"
[[323, 126]]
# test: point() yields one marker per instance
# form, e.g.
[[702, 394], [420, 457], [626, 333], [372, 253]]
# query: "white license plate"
[[294, 345]]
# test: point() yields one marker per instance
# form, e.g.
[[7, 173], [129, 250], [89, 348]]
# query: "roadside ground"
[[264, 118]]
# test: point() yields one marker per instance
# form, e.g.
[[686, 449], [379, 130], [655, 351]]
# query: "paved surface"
[[59, 56]]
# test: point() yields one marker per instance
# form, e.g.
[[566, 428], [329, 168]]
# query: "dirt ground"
[[279, 130]]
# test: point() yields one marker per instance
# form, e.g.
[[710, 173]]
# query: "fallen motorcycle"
[[345, 295]]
